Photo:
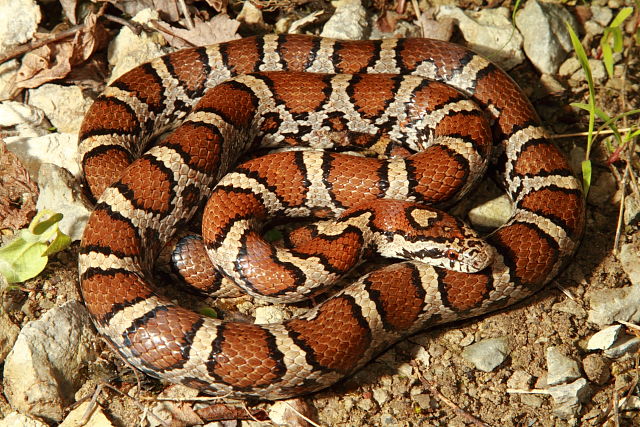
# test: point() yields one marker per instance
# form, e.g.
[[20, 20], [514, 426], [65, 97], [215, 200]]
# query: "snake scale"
[[143, 196]]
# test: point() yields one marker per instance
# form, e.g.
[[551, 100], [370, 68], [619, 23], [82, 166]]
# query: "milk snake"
[[139, 207]]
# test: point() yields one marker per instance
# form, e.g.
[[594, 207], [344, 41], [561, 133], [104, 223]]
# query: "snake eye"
[[452, 255]]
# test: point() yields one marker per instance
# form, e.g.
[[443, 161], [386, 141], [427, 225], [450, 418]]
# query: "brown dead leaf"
[[18, 194], [219, 29], [225, 412], [54, 61], [168, 9], [69, 7], [219, 5]]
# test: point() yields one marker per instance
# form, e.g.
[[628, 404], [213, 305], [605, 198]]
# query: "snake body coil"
[[143, 198]]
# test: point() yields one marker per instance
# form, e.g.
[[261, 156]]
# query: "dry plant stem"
[[22, 49], [158, 26], [133, 26], [416, 10], [301, 415], [577, 134], [623, 186], [459, 411], [185, 13]]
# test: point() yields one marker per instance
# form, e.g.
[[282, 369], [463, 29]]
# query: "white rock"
[[605, 338], [14, 113], [423, 356], [380, 395], [16, 419], [129, 50], [630, 259], [41, 373], [8, 334], [269, 314], [489, 32], [60, 149], [487, 354], [492, 214], [610, 305], [19, 20], [560, 368], [64, 106], [59, 192], [8, 72], [97, 418], [546, 39], [347, 22]]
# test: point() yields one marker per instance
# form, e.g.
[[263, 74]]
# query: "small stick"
[[185, 13], [22, 49], [166, 30], [133, 26]]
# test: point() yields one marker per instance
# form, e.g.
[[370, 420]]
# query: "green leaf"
[[586, 175], [607, 58], [27, 255], [624, 13], [208, 312]]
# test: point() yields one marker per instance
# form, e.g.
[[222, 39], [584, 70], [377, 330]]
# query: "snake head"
[[420, 233]]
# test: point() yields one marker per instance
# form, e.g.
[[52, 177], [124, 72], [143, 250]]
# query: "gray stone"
[[57, 148], [347, 22], [598, 72], [8, 334], [487, 354], [568, 397], [64, 106], [546, 39], [568, 67], [631, 209], [629, 256], [560, 368], [489, 32], [42, 371], [601, 15], [59, 192], [8, 73], [624, 345], [610, 305]]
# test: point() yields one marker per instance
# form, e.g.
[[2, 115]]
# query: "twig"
[[301, 415], [22, 49], [133, 26], [602, 132], [185, 13], [166, 30], [623, 186], [629, 325]]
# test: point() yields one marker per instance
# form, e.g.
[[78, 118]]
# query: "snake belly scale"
[[143, 197]]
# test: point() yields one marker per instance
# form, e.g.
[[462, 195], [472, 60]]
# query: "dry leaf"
[[219, 29], [69, 7], [168, 9], [18, 194], [54, 61], [219, 5]]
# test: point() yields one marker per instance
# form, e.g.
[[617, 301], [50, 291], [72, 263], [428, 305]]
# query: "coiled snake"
[[143, 198]]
